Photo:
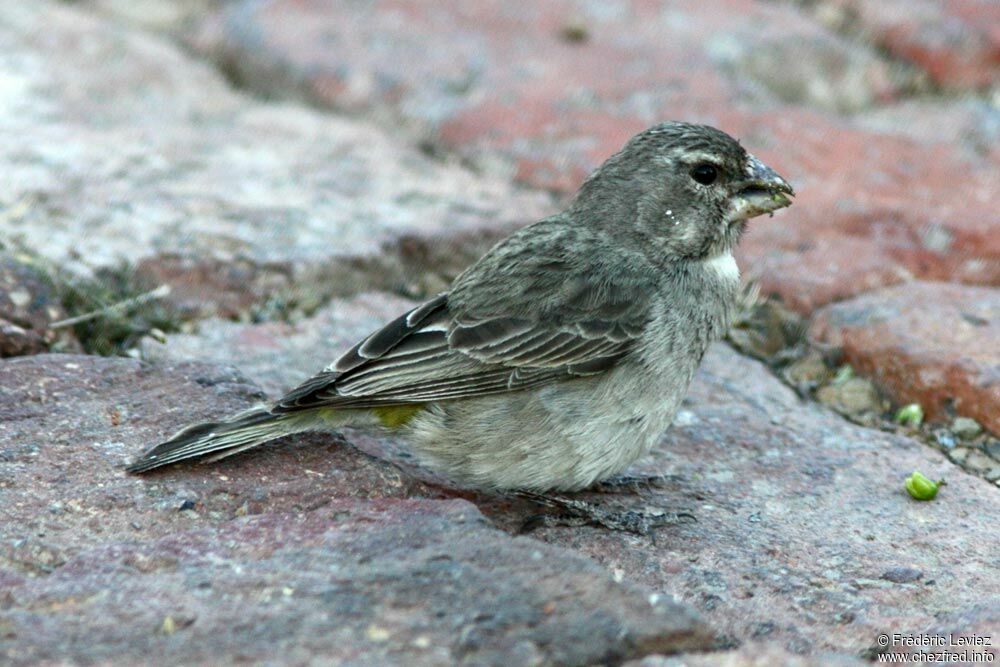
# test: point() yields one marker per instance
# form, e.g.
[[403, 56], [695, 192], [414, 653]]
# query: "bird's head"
[[691, 188]]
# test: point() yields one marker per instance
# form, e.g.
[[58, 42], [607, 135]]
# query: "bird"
[[560, 357]]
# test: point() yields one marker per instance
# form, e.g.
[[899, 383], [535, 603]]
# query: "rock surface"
[[173, 135], [311, 550], [226, 198], [511, 91], [799, 517], [955, 43], [936, 344], [276, 355]]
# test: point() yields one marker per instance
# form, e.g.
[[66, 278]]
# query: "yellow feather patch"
[[396, 415]]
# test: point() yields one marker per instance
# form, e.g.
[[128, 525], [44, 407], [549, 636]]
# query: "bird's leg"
[[576, 512]]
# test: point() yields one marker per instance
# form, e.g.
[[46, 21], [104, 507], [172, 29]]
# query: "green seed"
[[921, 488], [910, 415], [844, 373]]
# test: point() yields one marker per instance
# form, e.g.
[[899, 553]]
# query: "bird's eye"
[[705, 173]]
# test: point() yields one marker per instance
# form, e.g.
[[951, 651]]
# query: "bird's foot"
[[575, 512], [632, 483]]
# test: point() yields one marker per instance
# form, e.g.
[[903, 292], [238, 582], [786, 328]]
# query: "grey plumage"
[[561, 355]]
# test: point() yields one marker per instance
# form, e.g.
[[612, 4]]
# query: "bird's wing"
[[482, 339]]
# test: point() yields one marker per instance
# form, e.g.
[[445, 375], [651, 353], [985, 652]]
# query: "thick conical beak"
[[762, 191]]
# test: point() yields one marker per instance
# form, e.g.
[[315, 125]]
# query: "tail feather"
[[243, 431]]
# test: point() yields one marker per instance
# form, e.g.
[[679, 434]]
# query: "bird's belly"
[[563, 436]]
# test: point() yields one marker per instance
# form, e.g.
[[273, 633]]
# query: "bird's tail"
[[220, 439]]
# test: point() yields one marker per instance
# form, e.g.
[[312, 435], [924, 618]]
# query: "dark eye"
[[705, 173]]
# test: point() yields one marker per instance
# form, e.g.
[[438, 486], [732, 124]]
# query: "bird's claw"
[[574, 512]]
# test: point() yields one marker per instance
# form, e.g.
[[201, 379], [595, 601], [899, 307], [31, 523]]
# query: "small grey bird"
[[562, 355]]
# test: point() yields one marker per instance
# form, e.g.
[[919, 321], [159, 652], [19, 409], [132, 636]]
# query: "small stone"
[[809, 371], [992, 448], [575, 32], [902, 575], [966, 428], [978, 461], [854, 396], [959, 454], [945, 438]]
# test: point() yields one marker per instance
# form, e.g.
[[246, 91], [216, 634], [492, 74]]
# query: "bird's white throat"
[[724, 266]]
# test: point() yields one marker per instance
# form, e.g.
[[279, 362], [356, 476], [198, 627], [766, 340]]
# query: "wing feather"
[[474, 341]]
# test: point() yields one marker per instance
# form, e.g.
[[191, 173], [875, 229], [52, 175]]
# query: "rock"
[[824, 72], [902, 575], [461, 70], [28, 308], [799, 514], [325, 498], [966, 122], [506, 91], [917, 210], [935, 344], [955, 43], [751, 654], [276, 355], [853, 397], [314, 551], [808, 372], [966, 428], [229, 199]]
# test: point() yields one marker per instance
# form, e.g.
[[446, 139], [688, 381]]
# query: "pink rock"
[[937, 344], [957, 42]]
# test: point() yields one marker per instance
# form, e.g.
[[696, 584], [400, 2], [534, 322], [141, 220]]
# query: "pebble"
[[902, 575], [966, 428]]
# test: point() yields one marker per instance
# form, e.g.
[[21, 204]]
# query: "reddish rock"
[[965, 122], [799, 516], [488, 76], [936, 344], [872, 210], [313, 552], [955, 41], [509, 89]]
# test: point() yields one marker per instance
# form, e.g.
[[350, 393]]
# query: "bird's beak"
[[762, 191]]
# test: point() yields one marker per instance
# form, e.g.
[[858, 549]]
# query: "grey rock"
[[314, 552], [966, 428], [902, 575], [799, 512], [117, 146], [832, 514]]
